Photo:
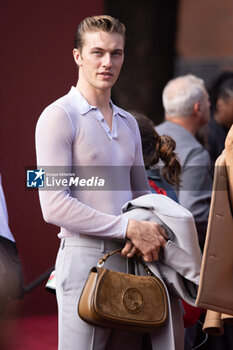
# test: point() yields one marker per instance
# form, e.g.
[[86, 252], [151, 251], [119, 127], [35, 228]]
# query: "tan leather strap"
[[106, 256]]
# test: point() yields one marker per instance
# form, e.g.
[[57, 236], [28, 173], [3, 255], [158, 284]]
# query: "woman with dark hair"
[[221, 99], [156, 148], [163, 179]]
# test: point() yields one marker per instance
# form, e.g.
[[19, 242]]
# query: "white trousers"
[[75, 258]]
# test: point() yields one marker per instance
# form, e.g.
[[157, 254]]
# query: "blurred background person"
[[11, 278], [186, 106], [164, 180], [221, 99], [156, 148]]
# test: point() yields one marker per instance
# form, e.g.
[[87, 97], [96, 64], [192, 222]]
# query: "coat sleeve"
[[195, 191]]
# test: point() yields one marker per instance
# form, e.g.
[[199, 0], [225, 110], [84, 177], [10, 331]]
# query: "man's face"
[[224, 114], [101, 59]]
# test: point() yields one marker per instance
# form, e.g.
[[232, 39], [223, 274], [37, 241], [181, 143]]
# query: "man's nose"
[[107, 60]]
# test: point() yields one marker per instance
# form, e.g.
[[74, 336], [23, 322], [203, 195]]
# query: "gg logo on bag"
[[133, 300]]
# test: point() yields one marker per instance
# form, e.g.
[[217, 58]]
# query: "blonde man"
[[85, 129]]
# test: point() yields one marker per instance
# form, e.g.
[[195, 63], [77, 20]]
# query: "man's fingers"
[[162, 241], [151, 256], [147, 237], [127, 248], [163, 232], [162, 236], [155, 255], [132, 252], [147, 257]]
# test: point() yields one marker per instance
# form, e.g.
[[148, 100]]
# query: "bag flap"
[[131, 298]]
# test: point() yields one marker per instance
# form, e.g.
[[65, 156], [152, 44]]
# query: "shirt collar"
[[81, 103], [84, 107], [118, 111]]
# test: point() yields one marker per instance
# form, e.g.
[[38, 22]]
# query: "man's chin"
[[105, 85]]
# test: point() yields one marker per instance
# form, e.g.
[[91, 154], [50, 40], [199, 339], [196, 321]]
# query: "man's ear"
[[197, 108], [77, 57]]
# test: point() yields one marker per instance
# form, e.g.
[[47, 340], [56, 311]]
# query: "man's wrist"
[[131, 228]]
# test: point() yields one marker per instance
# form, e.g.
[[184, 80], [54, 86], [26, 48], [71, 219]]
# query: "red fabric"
[[157, 189], [191, 315]]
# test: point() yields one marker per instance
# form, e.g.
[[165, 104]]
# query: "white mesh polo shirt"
[[72, 134]]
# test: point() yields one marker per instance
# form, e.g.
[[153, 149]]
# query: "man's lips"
[[106, 74]]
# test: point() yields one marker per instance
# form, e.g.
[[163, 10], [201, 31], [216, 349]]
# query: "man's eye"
[[116, 54], [96, 53]]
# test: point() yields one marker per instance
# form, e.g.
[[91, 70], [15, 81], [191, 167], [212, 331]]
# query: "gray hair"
[[180, 95]]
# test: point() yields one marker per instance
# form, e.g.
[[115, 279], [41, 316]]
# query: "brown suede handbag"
[[123, 301]]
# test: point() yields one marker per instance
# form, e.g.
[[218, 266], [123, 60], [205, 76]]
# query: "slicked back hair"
[[103, 23]]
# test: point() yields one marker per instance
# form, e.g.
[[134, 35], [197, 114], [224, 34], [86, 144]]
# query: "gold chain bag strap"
[[123, 301]]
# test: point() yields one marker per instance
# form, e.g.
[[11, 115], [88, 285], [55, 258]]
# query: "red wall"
[[37, 68]]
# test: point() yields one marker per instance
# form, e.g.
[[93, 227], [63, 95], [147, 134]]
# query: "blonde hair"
[[98, 23]]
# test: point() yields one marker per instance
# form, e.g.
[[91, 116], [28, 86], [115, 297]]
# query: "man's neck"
[[98, 98], [95, 97], [187, 123]]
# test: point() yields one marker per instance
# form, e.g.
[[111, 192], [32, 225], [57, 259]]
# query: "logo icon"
[[133, 300], [35, 178]]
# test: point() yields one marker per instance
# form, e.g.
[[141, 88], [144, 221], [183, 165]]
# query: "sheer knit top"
[[72, 133]]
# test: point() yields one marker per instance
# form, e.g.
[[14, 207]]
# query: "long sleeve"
[[195, 191]]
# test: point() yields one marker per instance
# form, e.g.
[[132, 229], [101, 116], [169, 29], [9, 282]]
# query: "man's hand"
[[147, 238], [129, 250]]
